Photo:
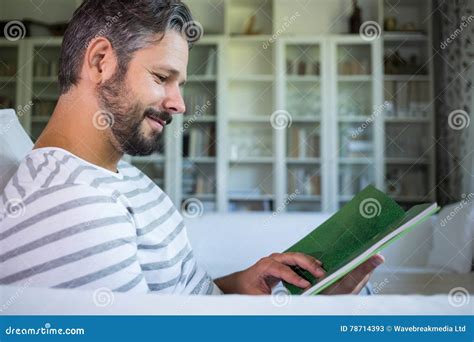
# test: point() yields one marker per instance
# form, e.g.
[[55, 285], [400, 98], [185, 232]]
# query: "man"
[[87, 219]]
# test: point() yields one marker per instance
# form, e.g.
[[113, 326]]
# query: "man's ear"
[[100, 60]]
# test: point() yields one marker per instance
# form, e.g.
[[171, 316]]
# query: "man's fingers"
[[283, 272], [302, 260], [356, 279]]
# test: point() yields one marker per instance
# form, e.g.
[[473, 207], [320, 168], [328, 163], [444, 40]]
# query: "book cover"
[[364, 226]]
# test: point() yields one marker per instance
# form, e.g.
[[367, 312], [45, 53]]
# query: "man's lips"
[[156, 122]]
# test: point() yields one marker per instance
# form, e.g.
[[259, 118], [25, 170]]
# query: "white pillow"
[[453, 237]]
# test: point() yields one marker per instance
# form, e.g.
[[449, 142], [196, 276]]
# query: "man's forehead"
[[171, 51]]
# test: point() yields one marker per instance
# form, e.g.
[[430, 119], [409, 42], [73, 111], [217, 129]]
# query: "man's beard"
[[128, 118]]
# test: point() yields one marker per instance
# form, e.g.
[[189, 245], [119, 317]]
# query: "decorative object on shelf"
[[7, 69], [355, 20], [303, 143], [249, 27], [5, 102], [390, 24], [409, 27], [354, 67]]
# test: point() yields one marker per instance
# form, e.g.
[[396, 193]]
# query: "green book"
[[363, 227]]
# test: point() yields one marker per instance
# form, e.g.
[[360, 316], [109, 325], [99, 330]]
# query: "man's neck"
[[71, 128]]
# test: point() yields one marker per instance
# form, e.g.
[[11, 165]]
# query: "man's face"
[[143, 100]]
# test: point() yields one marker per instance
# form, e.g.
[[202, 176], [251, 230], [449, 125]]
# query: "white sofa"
[[223, 244]]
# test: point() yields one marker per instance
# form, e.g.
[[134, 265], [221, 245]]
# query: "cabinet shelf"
[[407, 120], [252, 160], [303, 161], [407, 161], [252, 78], [354, 78], [404, 36]]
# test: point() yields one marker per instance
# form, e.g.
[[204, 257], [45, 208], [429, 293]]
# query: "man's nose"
[[174, 102]]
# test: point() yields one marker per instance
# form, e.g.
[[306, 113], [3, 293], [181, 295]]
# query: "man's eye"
[[161, 78]]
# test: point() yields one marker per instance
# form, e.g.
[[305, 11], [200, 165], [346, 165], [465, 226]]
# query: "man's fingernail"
[[304, 283]]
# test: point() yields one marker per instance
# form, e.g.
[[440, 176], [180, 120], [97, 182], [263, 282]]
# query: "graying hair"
[[128, 25]]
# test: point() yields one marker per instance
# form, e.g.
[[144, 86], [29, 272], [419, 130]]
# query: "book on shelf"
[[201, 142], [303, 144], [364, 226], [304, 182]]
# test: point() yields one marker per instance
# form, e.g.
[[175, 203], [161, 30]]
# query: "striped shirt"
[[67, 223]]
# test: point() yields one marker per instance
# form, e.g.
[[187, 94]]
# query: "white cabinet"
[[285, 112]]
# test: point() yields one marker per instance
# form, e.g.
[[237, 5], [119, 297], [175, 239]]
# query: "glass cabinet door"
[[199, 129], [303, 137], [355, 116], [250, 150], [408, 114]]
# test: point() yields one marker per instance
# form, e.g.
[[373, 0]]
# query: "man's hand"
[[354, 281], [260, 278], [266, 273]]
